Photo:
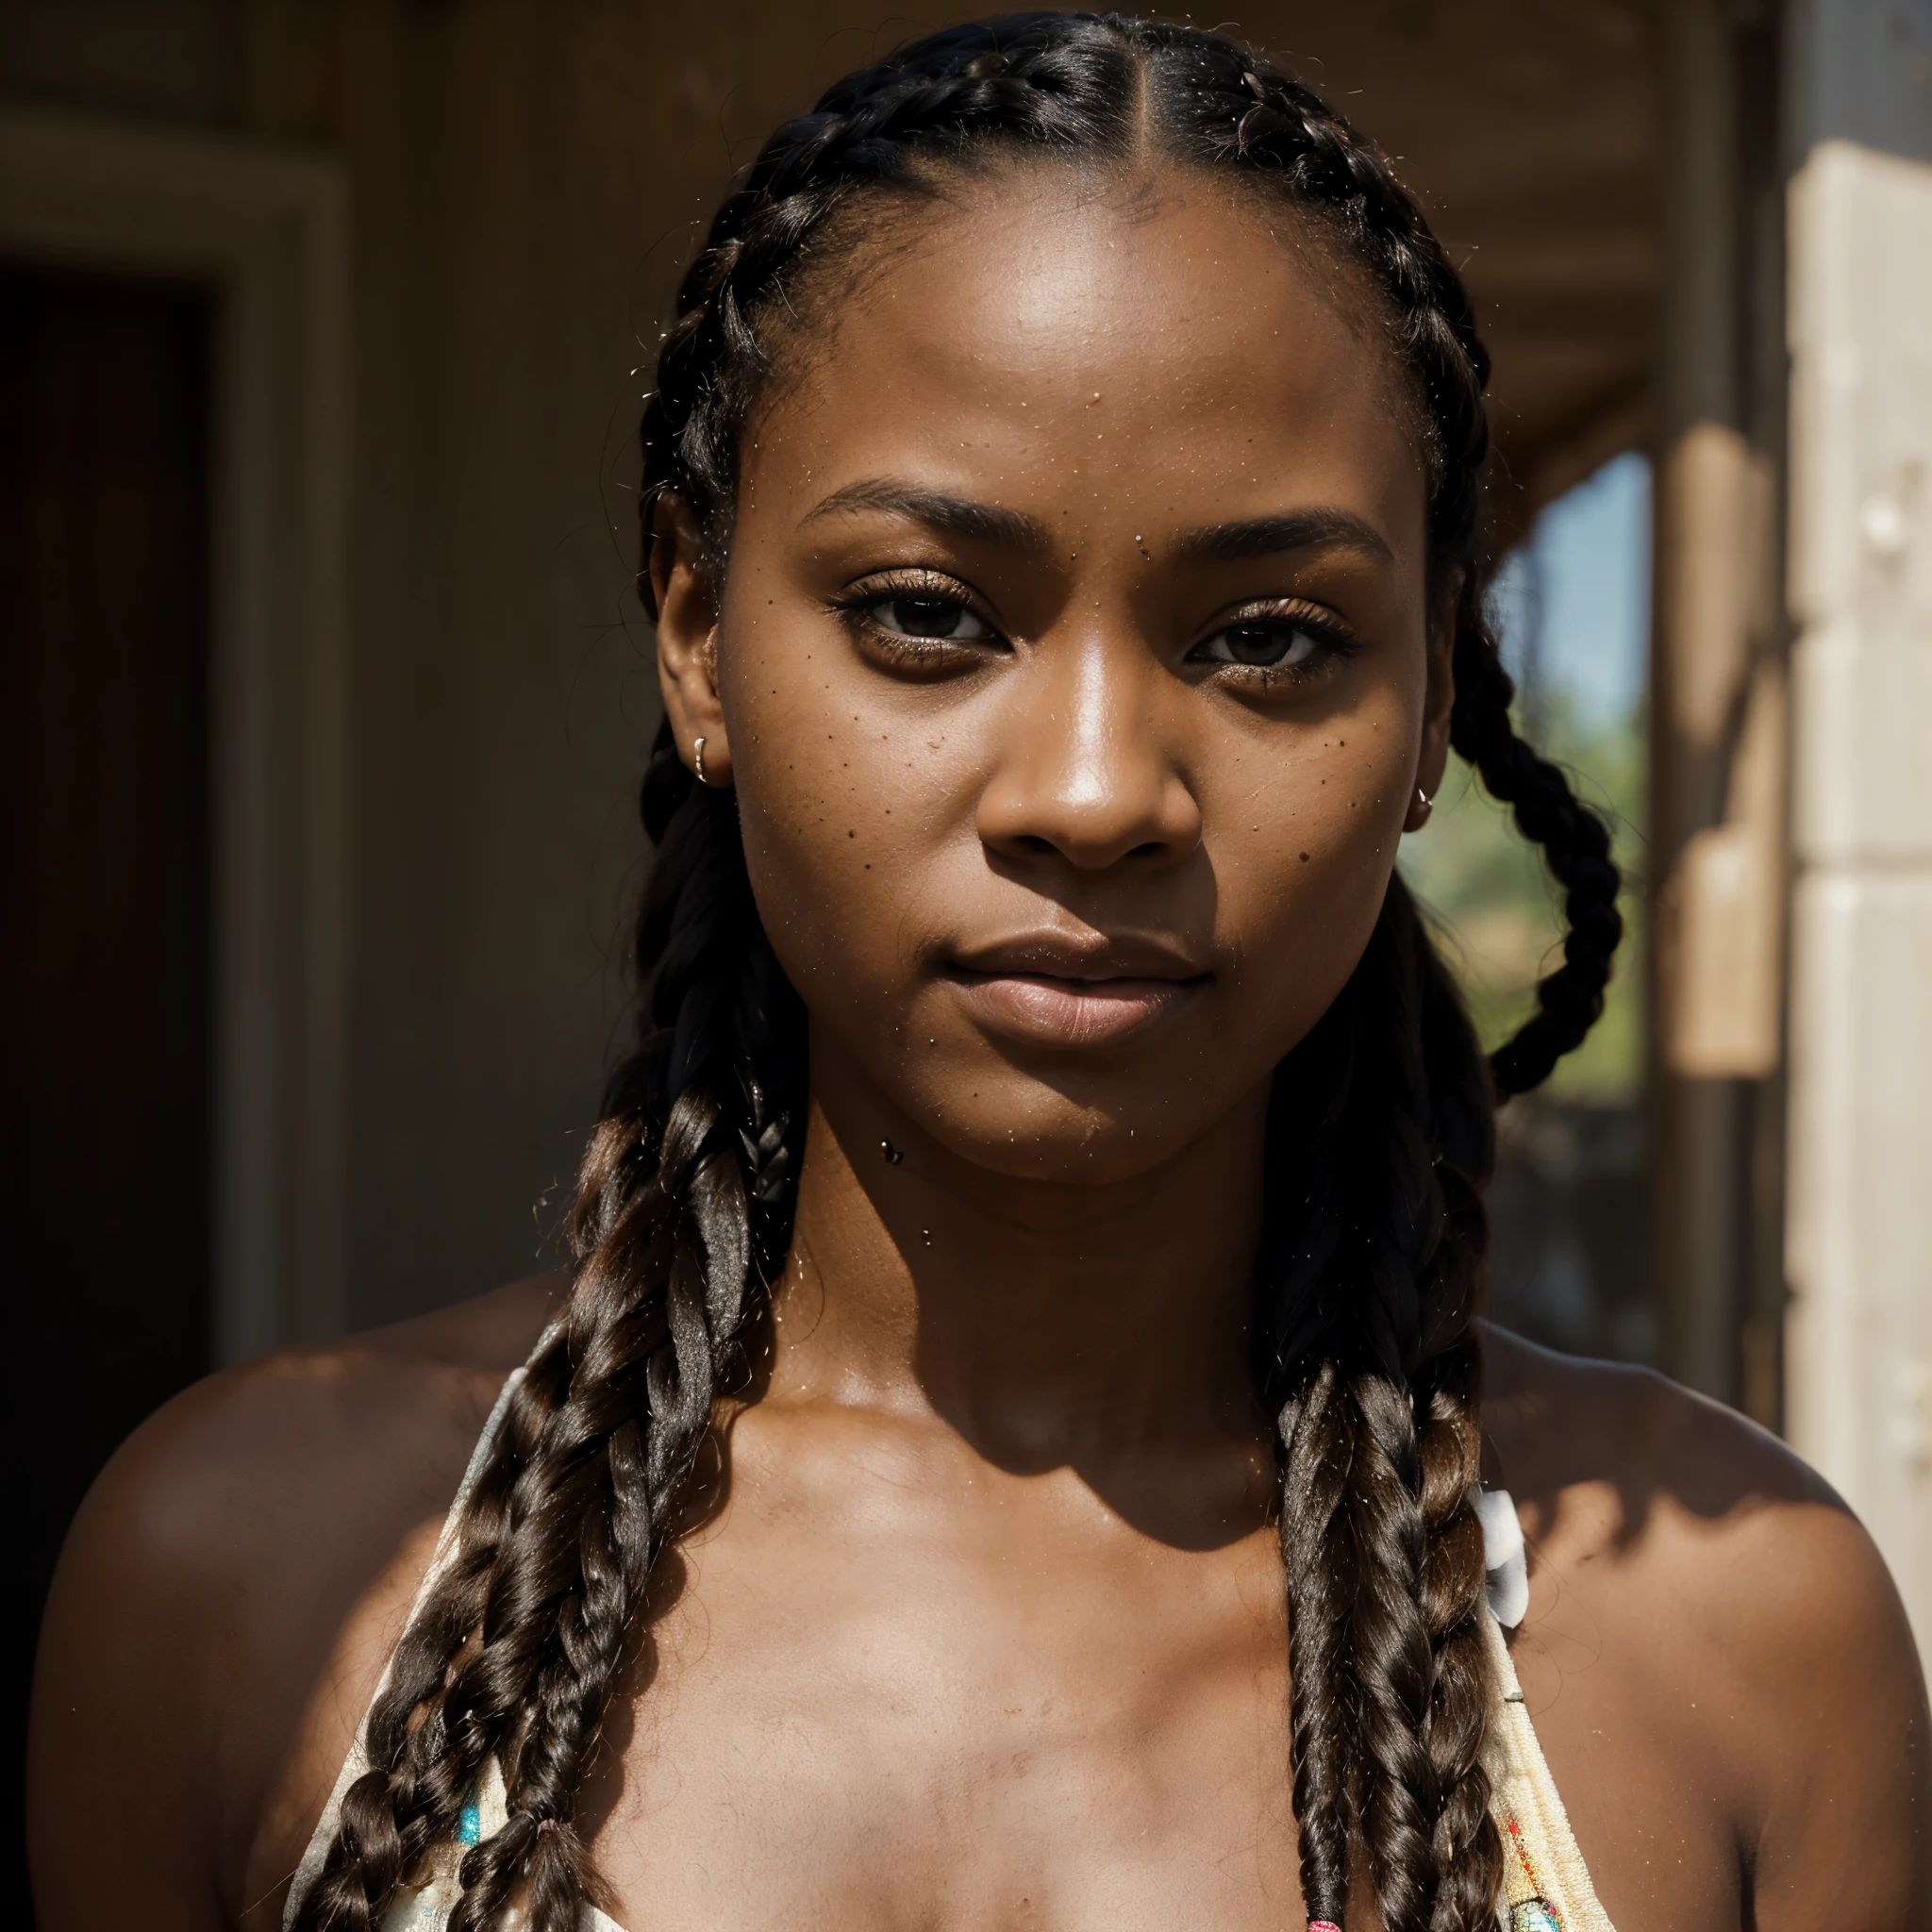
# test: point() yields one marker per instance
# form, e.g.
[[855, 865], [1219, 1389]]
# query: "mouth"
[[1057, 990]]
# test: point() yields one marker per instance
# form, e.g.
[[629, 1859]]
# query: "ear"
[[1439, 701], [688, 640]]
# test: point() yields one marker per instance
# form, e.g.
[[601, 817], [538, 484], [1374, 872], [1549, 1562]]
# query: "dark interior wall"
[[165, 60], [502, 692], [105, 1190]]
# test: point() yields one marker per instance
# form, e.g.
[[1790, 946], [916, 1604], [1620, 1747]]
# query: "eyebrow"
[[1299, 529], [1012, 530], [959, 516]]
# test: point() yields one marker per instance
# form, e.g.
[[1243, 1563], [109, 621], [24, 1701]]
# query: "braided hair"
[[1379, 1141]]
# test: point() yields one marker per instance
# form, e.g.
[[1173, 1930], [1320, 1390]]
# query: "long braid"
[[1576, 845], [636, 1373], [1370, 1283], [1380, 1138], [684, 1187]]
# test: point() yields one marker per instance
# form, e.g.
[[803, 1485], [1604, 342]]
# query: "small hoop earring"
[[697, 759]]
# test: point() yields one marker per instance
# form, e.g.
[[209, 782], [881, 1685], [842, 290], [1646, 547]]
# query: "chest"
[[883, 1723], [916, 1744], [935, 1736]]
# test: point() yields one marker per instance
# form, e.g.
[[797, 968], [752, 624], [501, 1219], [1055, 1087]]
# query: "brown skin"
[[988, 1631]]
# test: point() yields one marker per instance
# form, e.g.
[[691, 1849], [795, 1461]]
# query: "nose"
[[1084, 774]]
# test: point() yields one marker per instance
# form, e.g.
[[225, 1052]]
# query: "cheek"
[[845, 813], [1303, 841]]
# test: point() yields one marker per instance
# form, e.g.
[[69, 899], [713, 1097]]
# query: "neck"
[[1047, 1322]]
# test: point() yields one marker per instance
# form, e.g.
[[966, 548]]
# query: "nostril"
[[1150, 848]]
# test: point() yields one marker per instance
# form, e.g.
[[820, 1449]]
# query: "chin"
[[1039, 1133]]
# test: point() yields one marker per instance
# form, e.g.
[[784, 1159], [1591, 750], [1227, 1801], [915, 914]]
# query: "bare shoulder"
[[254, 1472], [213, 1571], [1616, 1465], [1691, 1560]]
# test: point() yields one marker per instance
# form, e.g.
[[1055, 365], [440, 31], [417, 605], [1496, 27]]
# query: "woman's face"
[[1073, 665]]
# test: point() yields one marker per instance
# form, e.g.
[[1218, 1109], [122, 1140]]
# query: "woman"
[[1012, 1447]]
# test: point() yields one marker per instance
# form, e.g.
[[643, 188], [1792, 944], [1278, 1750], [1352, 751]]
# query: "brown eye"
[[1270, 644], [935, 619]]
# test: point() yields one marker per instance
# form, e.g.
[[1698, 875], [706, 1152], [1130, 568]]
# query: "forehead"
[[1167, 332]]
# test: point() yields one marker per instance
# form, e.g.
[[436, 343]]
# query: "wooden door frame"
[[265, 228]]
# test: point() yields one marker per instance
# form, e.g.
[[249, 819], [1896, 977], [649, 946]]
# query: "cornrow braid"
[[939, 98], [1380, 1131]]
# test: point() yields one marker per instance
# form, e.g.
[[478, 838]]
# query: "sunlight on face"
[[1076, 667]]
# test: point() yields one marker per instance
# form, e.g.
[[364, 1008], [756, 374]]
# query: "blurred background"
[[323, 696]]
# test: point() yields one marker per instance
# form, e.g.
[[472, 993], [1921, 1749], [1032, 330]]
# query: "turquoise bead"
[[1533, 1915]]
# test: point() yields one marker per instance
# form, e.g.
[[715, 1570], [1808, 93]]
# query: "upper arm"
[[218, 1618], [121, 1771], [1847, 1830], [222, 1609]]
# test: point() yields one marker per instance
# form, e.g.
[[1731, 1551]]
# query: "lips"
[[1070, 1012], [1074, 989]]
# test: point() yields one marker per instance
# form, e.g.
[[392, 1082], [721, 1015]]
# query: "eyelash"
[[856, 605], [1333, 639]]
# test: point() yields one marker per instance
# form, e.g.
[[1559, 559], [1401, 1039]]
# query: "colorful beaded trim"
[[1534, 1913]]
